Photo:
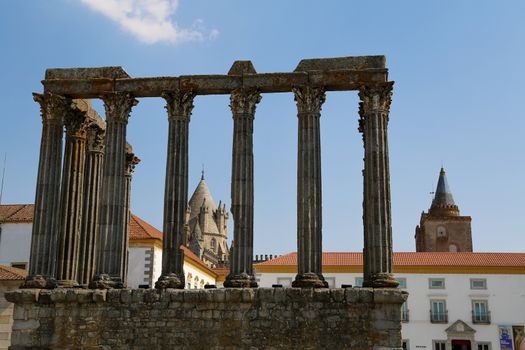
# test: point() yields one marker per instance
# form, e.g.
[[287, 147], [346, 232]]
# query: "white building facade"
[[144, 253], [457, 301]]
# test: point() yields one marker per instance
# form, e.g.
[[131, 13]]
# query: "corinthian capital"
[[53, 107], [375, 97], [76, 123], [309, 99], [179, 104], [118, 105], [95, 138], [131, 162], [244, 101]]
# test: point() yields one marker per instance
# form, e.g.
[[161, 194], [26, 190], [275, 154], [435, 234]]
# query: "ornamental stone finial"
[[244, 101], [179, 103], [309, 99]]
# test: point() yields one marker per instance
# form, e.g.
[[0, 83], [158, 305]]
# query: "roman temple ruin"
[[82, 213]]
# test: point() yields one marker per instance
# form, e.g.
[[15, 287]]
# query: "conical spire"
[[443, 198]]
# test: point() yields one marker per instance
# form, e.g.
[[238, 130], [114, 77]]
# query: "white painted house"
[[145, 249], [457, 301]]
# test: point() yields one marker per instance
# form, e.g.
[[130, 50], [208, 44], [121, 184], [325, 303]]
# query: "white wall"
[[15, 243], [196, 276], [505, 295], [137, 272]]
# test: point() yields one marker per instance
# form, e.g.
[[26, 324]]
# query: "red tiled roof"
[[463, 259], [190, 255], [140, 229], [13, 213], [8, 273]]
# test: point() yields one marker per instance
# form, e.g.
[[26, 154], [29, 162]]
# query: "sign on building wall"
[[505, 338]]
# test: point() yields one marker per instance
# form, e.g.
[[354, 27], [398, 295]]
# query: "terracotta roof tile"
[[8, 273], [140, 229], [414, 259], [12, 213]]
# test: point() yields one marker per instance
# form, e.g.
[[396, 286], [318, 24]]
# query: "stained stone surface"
[[86, 73], [278, 318], [335, 63]]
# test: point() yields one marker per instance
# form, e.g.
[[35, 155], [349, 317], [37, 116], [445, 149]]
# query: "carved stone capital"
[[53, 107], [309, 99], [118, 105], [76, 123], [95, 138], [179, 104], [131, 162], [375, 98], [244, 101]]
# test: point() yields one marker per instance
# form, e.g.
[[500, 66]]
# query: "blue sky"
[[458, 101]]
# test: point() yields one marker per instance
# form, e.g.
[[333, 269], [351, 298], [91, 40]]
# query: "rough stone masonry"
[[236, 318]]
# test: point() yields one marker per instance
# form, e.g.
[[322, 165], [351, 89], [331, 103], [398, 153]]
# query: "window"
[[19, 265], [436, 283], [439, 345], [484, 346], [438, 311], [213, 245], [284, 281], [402, 282], [478, 283], [404, 312], [359, 281], [453, 248], [405, 345], [480, 311]]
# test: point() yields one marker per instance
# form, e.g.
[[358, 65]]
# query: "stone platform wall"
[[264, 318]]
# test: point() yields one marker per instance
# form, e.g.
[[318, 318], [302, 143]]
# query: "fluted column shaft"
[[92, 188], [179, 105], [42, 262], [373, 124], [309, 195], [76, 123], [111, 238], [243, 104], [131, 162]]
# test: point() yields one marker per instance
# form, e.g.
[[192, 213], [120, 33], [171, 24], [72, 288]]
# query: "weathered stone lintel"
[[352, 318], [333, 80]]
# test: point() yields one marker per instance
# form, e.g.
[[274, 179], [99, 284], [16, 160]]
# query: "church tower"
[[442, 229], [207, 227]]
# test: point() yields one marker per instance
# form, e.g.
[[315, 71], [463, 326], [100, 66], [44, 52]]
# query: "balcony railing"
[[438, 317], [405, 315], [481, 317]]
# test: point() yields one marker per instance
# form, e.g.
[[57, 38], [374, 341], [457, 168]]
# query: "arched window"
[[213, 245], [196, 282], [188, 281], [453, 248]]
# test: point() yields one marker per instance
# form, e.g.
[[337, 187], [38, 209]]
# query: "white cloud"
[[150, 20]]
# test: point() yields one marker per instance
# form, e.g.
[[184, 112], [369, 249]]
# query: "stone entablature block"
[[278, 318]]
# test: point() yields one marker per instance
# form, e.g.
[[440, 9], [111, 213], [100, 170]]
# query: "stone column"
[[309, 202], [42, 261], [111, 237], [243, 104], [131, 162], [76, 123], [179, 105], [92, 187], [373, 123]]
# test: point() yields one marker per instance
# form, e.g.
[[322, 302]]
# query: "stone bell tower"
[[442, 229]]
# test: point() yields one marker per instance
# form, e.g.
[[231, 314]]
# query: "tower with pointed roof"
[[207, 227], [443, 229]]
